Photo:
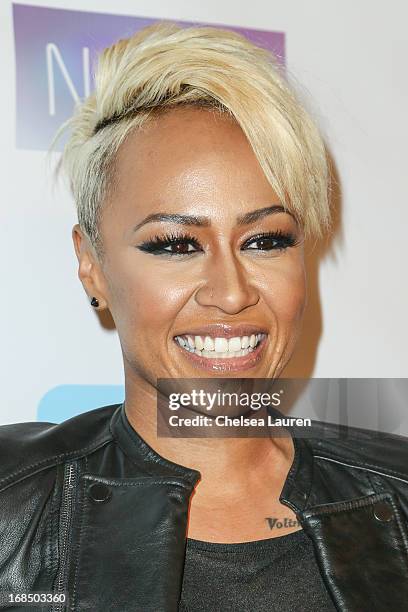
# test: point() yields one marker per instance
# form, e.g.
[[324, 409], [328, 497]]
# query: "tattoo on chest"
[[275, 523]]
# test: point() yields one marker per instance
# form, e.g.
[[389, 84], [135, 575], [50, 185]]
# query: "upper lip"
[[224, 330]]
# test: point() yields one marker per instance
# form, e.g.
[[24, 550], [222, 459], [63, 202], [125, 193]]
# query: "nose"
[[228, 285]]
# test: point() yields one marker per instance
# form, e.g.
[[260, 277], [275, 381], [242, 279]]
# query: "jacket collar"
[[295, 491], [143, 455]]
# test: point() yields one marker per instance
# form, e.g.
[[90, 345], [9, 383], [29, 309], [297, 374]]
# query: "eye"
[[270, 241], [171, 244], [179, 245]]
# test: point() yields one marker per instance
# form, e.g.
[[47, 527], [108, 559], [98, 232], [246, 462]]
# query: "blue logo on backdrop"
[[65, 401]]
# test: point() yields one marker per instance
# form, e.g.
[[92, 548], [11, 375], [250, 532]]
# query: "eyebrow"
[[200, 221]]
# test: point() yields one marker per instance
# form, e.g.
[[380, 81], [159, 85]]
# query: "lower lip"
[[226, 364]]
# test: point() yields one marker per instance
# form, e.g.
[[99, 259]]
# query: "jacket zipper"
[[67, 506]]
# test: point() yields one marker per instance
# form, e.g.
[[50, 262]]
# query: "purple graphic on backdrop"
[[55, 51]]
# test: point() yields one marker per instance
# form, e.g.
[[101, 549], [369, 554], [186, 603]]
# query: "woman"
[[198, 177]]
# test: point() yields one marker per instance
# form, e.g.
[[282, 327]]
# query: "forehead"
[[181, 135], [185, 159]]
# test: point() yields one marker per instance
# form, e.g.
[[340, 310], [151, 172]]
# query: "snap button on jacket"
[[99, 492], [88, 509]]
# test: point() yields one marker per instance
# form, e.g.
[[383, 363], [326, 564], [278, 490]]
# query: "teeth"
[[190, 341], [199, 344], [220, 348], [220, 345], [215, 355], [234, 344], [209, 343]]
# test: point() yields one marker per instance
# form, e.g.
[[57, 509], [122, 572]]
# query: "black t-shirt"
[[275, 574]]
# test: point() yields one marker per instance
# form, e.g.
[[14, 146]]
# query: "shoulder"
[[29, 447], [382, 453]]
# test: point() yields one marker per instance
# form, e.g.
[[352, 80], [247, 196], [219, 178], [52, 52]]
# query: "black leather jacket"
[[88, 508]]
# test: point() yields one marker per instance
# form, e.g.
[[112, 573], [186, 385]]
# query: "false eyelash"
[[287, 238], [157, 243]]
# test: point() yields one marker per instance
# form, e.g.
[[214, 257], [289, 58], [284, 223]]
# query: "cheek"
[[286, 293], [156, 305], [146, 298]]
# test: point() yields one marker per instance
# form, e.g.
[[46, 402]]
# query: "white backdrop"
[[350, 57]]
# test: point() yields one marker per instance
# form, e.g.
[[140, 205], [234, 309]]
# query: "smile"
[[222, 353], [216, 347]]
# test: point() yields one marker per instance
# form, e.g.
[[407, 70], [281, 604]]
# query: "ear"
[[89, 269]]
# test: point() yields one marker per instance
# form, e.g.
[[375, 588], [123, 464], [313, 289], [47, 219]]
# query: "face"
[[204, 272]]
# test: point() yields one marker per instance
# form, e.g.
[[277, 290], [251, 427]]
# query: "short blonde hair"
[[165, 65]]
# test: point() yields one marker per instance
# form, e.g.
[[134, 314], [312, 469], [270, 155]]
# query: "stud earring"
[[94, 302]]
